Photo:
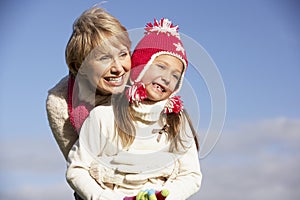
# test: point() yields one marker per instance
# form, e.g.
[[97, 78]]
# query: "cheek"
[[97, 71], [173, 85], [94, 75], [126, 64], [95, 67], [147, 79], [167, 95], [150, 76]]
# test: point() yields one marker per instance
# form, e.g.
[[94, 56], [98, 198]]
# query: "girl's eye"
[[161, 66], [176, 76]]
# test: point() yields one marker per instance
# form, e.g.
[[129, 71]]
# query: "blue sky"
[[254, 44]]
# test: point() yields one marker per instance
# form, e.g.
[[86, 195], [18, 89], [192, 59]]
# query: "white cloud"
[[36, 192], [258, 160], [32, 168]]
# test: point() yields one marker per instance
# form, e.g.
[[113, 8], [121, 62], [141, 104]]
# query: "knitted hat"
[[160, 38]]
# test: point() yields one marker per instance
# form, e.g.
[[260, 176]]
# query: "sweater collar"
[[148, 112]]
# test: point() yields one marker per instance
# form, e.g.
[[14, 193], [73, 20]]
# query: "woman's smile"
[[115, 81]]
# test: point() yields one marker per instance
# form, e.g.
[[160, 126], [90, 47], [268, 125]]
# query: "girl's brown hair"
[[125, 128]]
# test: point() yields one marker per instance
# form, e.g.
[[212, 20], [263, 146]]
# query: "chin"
[[117, 90], [155, 98]]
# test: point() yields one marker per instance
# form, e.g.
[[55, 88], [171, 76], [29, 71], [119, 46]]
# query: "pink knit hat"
[[160, 38]]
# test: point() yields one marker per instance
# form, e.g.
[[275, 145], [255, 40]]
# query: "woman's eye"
[[123, 54], [104, 58]]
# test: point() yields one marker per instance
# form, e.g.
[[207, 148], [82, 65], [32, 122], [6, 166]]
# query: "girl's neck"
[[147, 111]]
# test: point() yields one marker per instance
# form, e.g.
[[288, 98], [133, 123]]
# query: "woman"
[[98, 58]]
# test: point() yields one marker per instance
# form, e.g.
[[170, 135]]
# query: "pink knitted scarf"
[[78, 110]]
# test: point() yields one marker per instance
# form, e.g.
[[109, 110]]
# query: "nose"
[[117, 66], [166, 77]]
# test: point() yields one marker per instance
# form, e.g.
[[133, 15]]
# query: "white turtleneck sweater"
[[98, 167]]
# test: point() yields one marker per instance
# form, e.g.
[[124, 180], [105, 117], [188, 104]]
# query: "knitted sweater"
[[98, 167], [58, 116]]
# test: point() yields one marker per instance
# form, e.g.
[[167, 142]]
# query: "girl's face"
[[162, 77], [107, 68]]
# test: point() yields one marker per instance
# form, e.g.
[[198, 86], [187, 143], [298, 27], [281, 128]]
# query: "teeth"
[[115, 79], [159, 87]]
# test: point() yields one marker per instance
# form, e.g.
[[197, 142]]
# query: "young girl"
[[145, 140]]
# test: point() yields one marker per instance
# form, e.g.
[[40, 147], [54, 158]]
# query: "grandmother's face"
[[107, 68]]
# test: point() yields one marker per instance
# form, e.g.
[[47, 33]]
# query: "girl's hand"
[[150, 195], [162, 195]]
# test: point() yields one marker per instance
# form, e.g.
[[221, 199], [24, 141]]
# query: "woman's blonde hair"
[[93, 27]]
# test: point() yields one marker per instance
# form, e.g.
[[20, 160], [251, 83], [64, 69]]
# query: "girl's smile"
[[161, 78]]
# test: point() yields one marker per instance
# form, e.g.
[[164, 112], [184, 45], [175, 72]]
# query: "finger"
[[142, 195], [151, 195], [161, 195]]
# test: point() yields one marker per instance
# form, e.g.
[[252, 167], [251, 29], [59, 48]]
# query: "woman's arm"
[[58, 117]]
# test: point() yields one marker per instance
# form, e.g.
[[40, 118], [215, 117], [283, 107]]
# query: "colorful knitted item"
[[136, 93], [78, 111], [174, 105], [149, 195], [161, 38]]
